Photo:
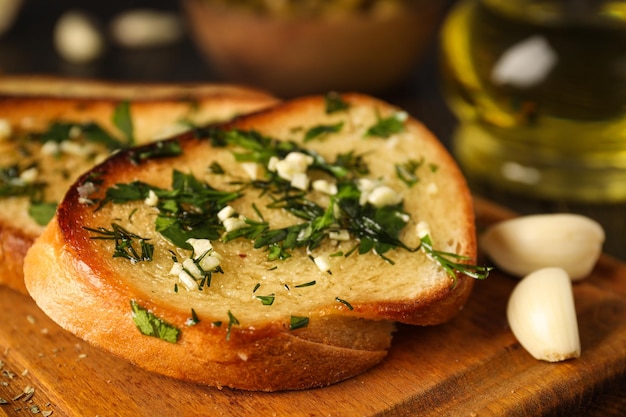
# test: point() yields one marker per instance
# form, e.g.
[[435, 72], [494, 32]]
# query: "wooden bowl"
[[299, 55]]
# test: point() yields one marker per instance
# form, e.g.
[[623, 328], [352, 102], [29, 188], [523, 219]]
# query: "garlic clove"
[[525, 244], [542, 316], [77, 38], [145, 28]]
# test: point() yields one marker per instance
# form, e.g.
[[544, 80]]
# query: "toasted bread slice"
[[262, 275], [38, 164]]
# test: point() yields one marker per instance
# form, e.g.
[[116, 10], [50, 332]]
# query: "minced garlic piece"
[[383, 195], [325, 187], [300, 180], [29, 175], [152, 200], [234, 223], [423, 229], [76, 149], [251, 169], [322, 263], [225, 213], [294, 163], [50, 148], [190, 266]]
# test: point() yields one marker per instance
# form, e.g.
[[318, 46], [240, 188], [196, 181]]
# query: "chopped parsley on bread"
[[272, 252], [52, 130]]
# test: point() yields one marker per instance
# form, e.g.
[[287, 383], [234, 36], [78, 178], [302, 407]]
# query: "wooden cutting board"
[[472, 366]]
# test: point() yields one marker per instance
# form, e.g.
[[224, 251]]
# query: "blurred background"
[[28, 44]]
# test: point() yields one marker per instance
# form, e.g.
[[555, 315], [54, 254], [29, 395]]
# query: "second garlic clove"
[[522, 245], [542, 315], [145, 28]]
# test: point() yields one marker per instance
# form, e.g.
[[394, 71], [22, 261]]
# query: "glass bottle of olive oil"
[[539, 87]]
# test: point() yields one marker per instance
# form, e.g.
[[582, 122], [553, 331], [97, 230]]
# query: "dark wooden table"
[[27, 48]]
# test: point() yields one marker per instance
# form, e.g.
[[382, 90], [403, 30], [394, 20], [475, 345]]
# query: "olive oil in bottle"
[[539, 87]]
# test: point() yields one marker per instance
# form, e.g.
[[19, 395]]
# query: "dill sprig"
[[453, 263], [188, 210], [125, 243]]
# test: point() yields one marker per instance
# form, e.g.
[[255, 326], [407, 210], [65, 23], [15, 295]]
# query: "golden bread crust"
[[265, 358], [74, 278]]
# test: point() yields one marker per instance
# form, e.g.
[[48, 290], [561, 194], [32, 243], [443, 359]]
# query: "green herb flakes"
[[160, 149], [216, 168], [377, 229], [11, 184], [42, 212], [123, 121], [316, 132], [335, 103], [407, 172], [452, 262], [385, 127], [193, 320], [91, 132], [344, 302], [188, 210], [298, 322], [232, 321], [150, 325], [266, 300]]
